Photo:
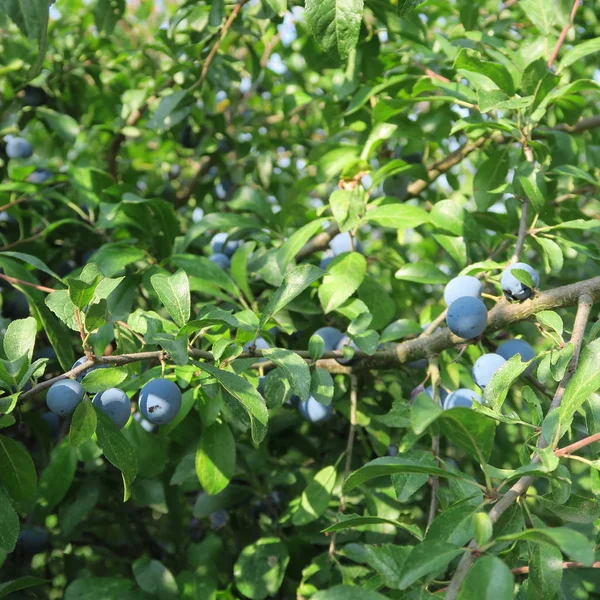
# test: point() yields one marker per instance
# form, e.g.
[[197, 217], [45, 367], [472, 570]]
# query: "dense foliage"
[[451, 138]]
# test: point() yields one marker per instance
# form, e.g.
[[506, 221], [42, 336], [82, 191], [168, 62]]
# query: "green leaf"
[[103, 379], [117, 450], [405, 6], [206, 272], [31, 16], [33, 261], [488, 579], [552, 253], [455, 524], [400, 329], [215, 458], [23, 583], [347, 592], [578, 52], [344, 276], [9, 526], [551, 320], [497, 390], [592, 419], [17, 472], [483, 528], [154, 578], [347, 208], [469, 430], [573, 543], [490, 179], [60, 304], [388, 560], [315, 498], [397, 216], [421, 272], [95, 316], [82, 292], [354, 521], [83, 423], [407, 484], [534, 186], [470, 60], [391, 466], [321, 387], [19, 338], [278, 6], [294, 283], [63, 125], [112, 258], [430, 556], [239, 268], [576, 509], [545, 571], [113, 588], [260, 568], [295, 368], [542, 13], [174, 293], [335, 24], [448, 215], [57, 478], [162, 119], [424, 412], [296, 241], [584, 382], [251, 401]]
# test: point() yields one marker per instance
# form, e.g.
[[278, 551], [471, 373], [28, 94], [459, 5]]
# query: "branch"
[[563, 33], [568, 450], [583, 311], [35, 286], [217, 44], [321, 240], [565, 565], [349, 448], [499, 318]]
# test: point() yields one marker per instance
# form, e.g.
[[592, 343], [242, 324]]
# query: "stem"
[[568, 450], [522, 233], [523, 484], [434, 372], [349, 449], [35, 286], [563, 33]]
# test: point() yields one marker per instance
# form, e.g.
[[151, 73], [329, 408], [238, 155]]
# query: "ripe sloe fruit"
[[115, 403], [462, 397], [53, 422], [220, 245], [64, 396], [515, 290], [33, 540], [40, 175], [18, 147], [442, 392], [222, 260], [342, 243], [82, 361], [346, 341], [160, 401], [314, 411], [485, 367], [331, 337], [465, 285], [513, 347], [467, 317]]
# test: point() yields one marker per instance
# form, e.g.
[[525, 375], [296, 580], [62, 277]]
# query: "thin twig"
[[522, 232], [349, 449], [568, 450], [217, 44], [35, 286], [523, 484], [434, 372], [563, 33], [13, 203]]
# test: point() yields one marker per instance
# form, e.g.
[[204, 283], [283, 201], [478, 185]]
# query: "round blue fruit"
[[40, 176], [514, 289], [314, 411], [160, 401], [514, 347], [64, 396], [115, 403], [392, 450], [485, 368], [82, 361], [331, 337], [222, 260], [461, 397], [53, 422], [33, 540], [465, 285], [442, 392], [467, 317], [220, 245], [346, 341], [18, 147], [342, 242]]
